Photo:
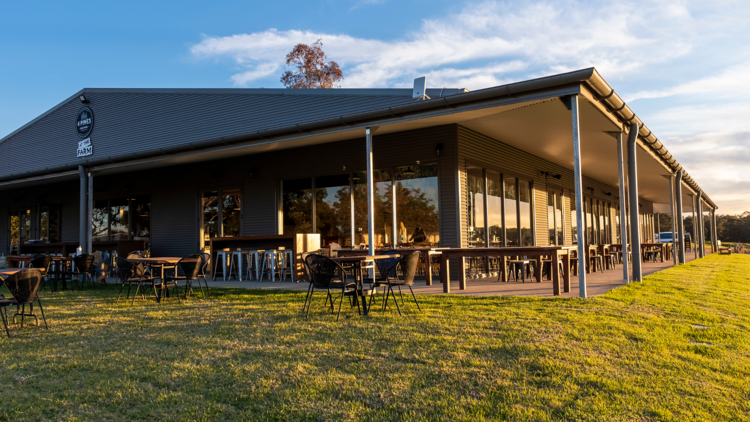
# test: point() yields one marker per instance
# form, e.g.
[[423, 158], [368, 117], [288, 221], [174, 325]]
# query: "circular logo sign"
[[84, 122]]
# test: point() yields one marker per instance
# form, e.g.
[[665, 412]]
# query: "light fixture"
[[438, 149], [408, 172], [557, 176], [83, 99]]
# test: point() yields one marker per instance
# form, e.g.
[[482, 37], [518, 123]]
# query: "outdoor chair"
[[130, 273], [82, 266], [547, 267], [42, 263], [191, 267], [408, 264], [594, 260], [322, 271], [24, 286], [523, 265]]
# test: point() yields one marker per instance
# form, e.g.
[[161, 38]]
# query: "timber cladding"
[[475, 148]]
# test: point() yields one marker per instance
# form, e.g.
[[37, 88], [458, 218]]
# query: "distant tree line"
[[731, 228]]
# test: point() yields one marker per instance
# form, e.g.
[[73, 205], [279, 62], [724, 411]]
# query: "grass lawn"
[[249, 355]]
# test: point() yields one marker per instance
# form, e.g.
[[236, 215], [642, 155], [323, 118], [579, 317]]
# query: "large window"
[[19, 226], [573, 219], [121, 219], [221, 215], [414, 190], [555, 222], [475, 205], [499, 206], [333, 209], [417, 203]]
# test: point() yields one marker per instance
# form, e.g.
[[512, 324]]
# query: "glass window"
[[618, 235], [417, 203], [141, 227], [383, 203], [119, 217], [573, 220], [100, 220], [524, 203], [511, 209], [495, 207], [602, 223], [475, 206], [559, 224], [231, 202], [49, 223], [333, 210], [551, 238], [209, 216], [296, 197]]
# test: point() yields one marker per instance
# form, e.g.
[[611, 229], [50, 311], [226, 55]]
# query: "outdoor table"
[[17, 260], [357, 260], [537, 252], [159, 262], [426, 254], [647, 246], [7, 272], [59, 272]]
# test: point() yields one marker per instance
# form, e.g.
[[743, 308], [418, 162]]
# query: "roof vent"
[[420, 87]]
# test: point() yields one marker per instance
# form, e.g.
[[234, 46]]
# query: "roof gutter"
[[589, 76]]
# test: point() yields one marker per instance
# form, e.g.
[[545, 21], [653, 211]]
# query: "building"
[[492, 167]]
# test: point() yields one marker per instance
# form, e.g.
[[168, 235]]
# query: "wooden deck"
[[598, 283]]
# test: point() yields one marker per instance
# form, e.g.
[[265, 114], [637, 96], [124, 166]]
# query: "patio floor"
[[598, 283]]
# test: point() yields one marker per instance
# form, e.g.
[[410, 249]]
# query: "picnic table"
[[537, 252]]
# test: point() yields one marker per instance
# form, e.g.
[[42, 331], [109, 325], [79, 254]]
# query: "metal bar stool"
[[221, 261], [253, 263], [286, 255], [269, 265], [236, 256]]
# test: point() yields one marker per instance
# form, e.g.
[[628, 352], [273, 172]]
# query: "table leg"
[[503, 269], [462, 273], [555, 269], [358, 274], [566, 273], [445, 274], [427, 267], [538, 269]]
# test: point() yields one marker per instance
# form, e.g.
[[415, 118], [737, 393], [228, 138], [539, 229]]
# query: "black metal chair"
[[408, 264], [323, 271], [386, 270], [42, 263], [130, 273], [206, 258], [191, 267], [24, 286], [82, 266]]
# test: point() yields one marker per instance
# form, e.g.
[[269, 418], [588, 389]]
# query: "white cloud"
[[731, 83], [543, 37]]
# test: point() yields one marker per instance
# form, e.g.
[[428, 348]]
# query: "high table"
[[427, 254], [157, 262], [661, 246], [357, 260], [554, 252]]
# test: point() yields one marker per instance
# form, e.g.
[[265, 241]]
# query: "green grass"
[[250, 355]]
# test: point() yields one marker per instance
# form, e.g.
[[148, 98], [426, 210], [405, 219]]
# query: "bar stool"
[[596, 259], [221, 257], [283, 255], [610, 258], [253, 263], [269, 265], [236, 256], [518, 264], [547, 267]]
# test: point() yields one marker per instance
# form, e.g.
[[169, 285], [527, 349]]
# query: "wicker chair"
[[322, 271], [82, 266], [130, 273], [191, 267], [24, 286], [408, 264]]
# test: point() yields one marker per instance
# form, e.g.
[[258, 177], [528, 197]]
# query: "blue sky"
[[683, 66]]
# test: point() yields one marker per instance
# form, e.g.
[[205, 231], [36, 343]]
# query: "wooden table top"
[[361, 258], [29, 258], [7, 272], [156, 260]]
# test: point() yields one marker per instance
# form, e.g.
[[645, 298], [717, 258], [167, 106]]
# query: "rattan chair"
[[24, 286], [191, 267], [82, 266], [408, 264], [130, 273], [323, 272]]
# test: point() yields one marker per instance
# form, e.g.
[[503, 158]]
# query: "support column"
[[635, 234], [680, 220], [82, 214], [695, 226], [89, 215], [579, 197], [701, 228], [623, 210], [714, 230], [370, 194], [658, 229], [674, 217]]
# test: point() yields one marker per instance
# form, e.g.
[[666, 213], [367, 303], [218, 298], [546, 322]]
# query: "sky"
[[682, 66]]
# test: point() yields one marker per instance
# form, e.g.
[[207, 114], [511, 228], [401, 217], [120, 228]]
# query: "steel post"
[[623, 210], [370, 195], [82, 214], [674, 217], [579, 196]]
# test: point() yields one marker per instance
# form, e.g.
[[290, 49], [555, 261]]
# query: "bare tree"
[[313, 69]]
